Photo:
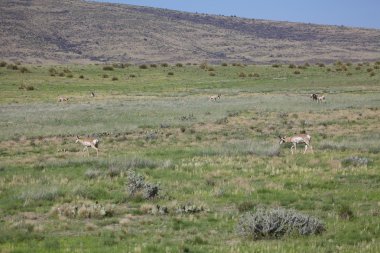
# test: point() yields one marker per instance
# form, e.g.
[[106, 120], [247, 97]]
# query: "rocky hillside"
[[65, 31]]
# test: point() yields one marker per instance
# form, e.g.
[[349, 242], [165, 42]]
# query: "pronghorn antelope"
[[314, 97], [320, 99], [297, 139], [89, 142], [214, 98], [63, 99]]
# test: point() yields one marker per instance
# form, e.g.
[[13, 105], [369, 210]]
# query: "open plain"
[[203, 163]]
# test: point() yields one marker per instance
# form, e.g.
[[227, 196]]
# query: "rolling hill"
[[76, 31]]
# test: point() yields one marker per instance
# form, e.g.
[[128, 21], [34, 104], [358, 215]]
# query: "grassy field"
[[211, 161]]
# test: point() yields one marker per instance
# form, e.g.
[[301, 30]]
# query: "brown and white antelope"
[[297, 139], [89, 142], [314, 97], [63, 99], [320, 99], [214, 98]]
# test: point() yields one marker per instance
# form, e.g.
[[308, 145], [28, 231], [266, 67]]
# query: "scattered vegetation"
[[173, 164]]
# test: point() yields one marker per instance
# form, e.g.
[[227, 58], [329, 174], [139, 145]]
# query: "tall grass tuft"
[[48, 193]]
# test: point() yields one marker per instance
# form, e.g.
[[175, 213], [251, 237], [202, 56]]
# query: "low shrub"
[[92, 173], [189, 208], [136, 185], [276, 223], [84, 210], [24, 70], [297, 72], [242, 74], [113, 171], [12, 67], [26, 87], [170, 74], [115, 78], [164, 65], [246, 206], [3, 64], [224, 64], [179, 65], [355, 161], [108, 68], [203, 65], [143, 66], [345, 212], [48, 193]]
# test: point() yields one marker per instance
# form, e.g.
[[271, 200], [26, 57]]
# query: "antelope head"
[[282, 139]]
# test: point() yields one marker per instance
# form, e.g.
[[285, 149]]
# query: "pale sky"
[[352, 13]]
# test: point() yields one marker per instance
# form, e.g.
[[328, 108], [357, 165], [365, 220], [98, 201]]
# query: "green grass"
[[222, 156]]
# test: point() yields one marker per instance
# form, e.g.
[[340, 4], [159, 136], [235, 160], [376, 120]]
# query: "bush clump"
[[136, 185], [85, 210], [108, 68], [12, 67], [355, 161], [3, 64], [143, 66], [24, 70], [26, 87], [189, 208], [276, 223], [345, 212], [242, 74]]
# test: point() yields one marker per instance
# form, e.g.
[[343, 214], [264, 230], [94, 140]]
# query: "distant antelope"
[[89, 142], [92, 94], [297, 139], [214, 98], [63, 99], [314, 97], [320, 99]]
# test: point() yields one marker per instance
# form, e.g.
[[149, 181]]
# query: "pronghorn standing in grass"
[[314, 97], [214, 98], [63, 99], [89, 142], [297, 139], [320, 99]]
